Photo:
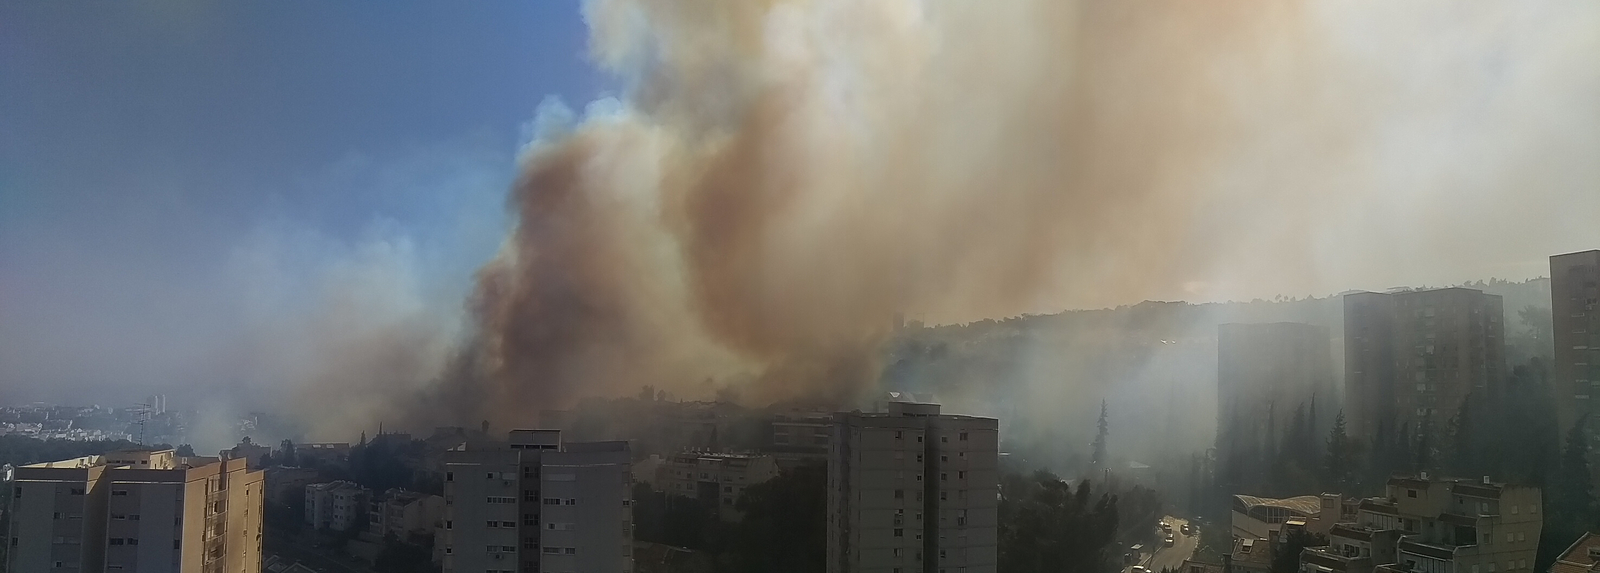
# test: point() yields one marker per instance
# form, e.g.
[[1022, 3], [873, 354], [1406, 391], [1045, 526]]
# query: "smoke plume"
[[782, 179]]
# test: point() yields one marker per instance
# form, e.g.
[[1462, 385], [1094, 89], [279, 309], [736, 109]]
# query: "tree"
[[1099, 458], [1341, 454], [186, 451], [286, 453], [1047, 526], [1569, 503], [785, 526]]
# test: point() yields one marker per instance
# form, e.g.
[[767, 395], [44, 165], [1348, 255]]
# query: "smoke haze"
[[775, 182], [784, 178]]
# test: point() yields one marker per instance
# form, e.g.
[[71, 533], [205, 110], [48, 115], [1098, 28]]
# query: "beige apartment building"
[[1424, 525], [1575, 316], [137, 510], [715, 478], [912, 490], [538, 505]]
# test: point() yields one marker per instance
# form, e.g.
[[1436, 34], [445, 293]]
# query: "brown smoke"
[[787, 177]]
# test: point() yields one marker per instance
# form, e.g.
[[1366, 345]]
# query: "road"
[[1173, 557]]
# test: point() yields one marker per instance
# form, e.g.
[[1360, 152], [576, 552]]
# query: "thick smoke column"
[[784, 178]]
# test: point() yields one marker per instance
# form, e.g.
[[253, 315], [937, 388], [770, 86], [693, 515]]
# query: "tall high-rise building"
[[912, 490], [538, 505], [1266, 372], [1575, 316], [137, 510], [1412, 357]]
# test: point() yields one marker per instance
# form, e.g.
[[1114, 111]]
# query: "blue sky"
[[149, 149]]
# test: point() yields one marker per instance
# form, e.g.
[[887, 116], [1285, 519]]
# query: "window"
[[77, 491], [943, 495], [488, 475], [552, 501], [133, 541], [448, 524], [491, 524], [1510, 538], [530, 543], [570, 550], [961, 474], [449, 476], [1522, 536], [118, 516], [944, 458], [530, 495], [448, 550], [114, 541], [919, 439], [508, 549], [898, 552], [552, 550], [899, 434], [572, 501], [963, 436], [944, 477], [1411, 493], [530, 519], [899, 532], [119, 492]]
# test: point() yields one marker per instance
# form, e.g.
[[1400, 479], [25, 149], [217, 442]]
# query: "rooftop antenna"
[[143, 411]]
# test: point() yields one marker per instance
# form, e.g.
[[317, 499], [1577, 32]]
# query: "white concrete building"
[[538, 505], [338, 505], [912, 490]]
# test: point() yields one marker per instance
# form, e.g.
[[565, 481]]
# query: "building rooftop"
[[1582, 556], [1305, 504]]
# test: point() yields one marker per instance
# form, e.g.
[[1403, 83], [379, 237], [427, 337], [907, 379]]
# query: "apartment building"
[[799, 438], [537, 504], [716, 479], [1264, 373], [137, 510], [1575, 316], [1411, 357], [1424, 525], [911, 489], [337, 505], [404, 514]]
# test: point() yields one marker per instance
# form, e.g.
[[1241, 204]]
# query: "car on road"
[[1166, 527], [1139, 569], [1171, 541]]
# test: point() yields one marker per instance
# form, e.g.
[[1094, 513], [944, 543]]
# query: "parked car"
[[1187, 530], [1171, 541]]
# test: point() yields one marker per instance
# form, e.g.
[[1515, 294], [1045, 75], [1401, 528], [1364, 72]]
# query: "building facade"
[[1412, 357], [405, 514], [716, 479], [1424, 525], [538, 505], [1266, 372], [137, 510], [912, 490], [1575, 316], [338, 505]]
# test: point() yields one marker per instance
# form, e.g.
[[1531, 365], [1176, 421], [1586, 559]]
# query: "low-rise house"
[[1583, 556]]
